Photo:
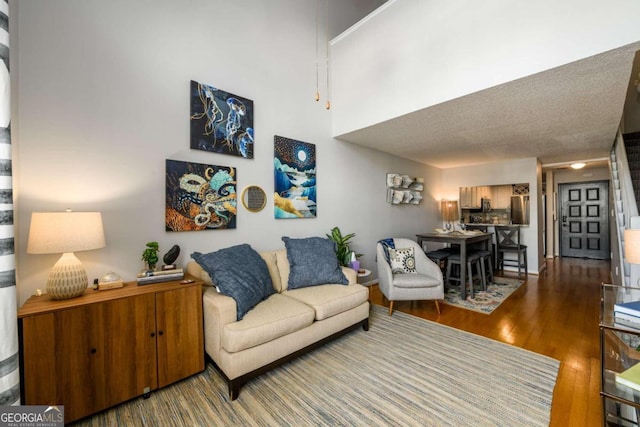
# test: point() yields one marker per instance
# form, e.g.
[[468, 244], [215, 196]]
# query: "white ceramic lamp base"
[[67, 278]]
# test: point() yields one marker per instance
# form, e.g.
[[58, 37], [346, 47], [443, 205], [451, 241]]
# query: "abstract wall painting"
[[295, 178], [200, 197], [221, 122]]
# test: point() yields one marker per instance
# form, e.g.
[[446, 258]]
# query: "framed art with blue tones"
[[221, 122], [200, 197], [295, 179]]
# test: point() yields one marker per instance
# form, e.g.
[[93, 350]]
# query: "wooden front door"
[[584, 220]]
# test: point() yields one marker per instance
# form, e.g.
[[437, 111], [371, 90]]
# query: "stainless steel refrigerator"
[[520, 209]]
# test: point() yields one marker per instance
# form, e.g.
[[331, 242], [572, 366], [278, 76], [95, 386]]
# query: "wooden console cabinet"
[[106, 347]]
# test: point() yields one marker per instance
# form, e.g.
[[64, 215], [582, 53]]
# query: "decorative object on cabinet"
[[150, 255], [403, 189], [170, 258], [200, 197], [450, 212], [295, 178], [115, 345], [220, 121], [66, 233], [109, 281], [253, 198]]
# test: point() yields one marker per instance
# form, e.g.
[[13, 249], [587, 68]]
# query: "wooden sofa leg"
[[437, 306], [390, 308], [365, 324], [234, 389]]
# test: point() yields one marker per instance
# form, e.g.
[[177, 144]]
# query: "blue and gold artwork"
[[295, 178], [200, 197], [220, 121]]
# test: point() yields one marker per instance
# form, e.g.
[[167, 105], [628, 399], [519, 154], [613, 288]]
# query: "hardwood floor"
[[555, 314]]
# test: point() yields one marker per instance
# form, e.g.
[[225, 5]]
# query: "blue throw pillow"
[[238, 272], [313, 261], [386, 245]]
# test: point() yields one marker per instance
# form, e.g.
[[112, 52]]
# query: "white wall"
[[101, 98], [497, 173], [413, 54]]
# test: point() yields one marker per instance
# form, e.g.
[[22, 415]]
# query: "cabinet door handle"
[[94, 351], [153, 334], [160, 333]]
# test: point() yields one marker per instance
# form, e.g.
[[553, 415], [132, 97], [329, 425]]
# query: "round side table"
[[362, 273]]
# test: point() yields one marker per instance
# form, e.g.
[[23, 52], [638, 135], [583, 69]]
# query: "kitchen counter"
[[493, 225]]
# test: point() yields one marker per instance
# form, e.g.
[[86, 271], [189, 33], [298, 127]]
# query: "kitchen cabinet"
[[106, 347], [501, 197], [471, 197]]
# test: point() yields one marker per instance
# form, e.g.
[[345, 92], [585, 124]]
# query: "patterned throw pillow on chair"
[[402, 261]]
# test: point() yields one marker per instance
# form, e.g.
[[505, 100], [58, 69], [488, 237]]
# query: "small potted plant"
[[345, 255], [150, 255]]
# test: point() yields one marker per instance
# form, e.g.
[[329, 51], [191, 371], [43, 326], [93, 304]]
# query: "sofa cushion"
[[274, 317], [329, 300], [239, 272], [402, 260], [312, 262], [283, 268], [270, 259]]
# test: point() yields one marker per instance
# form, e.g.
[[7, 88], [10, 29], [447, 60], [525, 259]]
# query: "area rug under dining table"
[[484, 301], [404, 371]]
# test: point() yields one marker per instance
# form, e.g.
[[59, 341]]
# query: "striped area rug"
[[404, 371]]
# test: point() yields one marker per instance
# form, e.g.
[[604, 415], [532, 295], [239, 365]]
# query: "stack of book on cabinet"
[[148, 277], [627, 314]]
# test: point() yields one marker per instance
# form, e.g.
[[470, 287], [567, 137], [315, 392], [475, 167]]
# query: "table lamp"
[[65, 232], [632, 246], [449, 212]]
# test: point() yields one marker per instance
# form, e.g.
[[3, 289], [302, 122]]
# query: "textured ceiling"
[[564, 114]]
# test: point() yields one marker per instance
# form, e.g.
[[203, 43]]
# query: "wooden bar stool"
[[473, 260], [508, 241], [486, 266], [439, 257]]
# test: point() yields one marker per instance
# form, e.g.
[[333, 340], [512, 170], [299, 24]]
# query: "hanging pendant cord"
[[328, 105], [317, 48]]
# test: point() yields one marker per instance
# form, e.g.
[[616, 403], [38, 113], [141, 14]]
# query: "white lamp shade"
[[65, 232], [61, 232], [632, 246]]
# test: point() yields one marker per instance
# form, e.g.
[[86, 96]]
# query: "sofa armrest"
[[219, 310], [194, 269], [350, 274]]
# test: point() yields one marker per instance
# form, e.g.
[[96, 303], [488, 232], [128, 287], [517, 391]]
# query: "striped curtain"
[[9, 366]]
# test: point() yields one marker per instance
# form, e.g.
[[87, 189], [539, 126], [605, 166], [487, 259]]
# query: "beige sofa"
[[285, 325]]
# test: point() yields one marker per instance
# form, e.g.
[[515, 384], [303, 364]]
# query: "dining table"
[[464, 239]]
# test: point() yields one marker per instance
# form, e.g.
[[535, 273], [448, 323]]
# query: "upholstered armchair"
[[424, 284]]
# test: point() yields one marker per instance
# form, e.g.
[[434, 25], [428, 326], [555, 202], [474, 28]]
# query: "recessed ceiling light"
[[578, 165]]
